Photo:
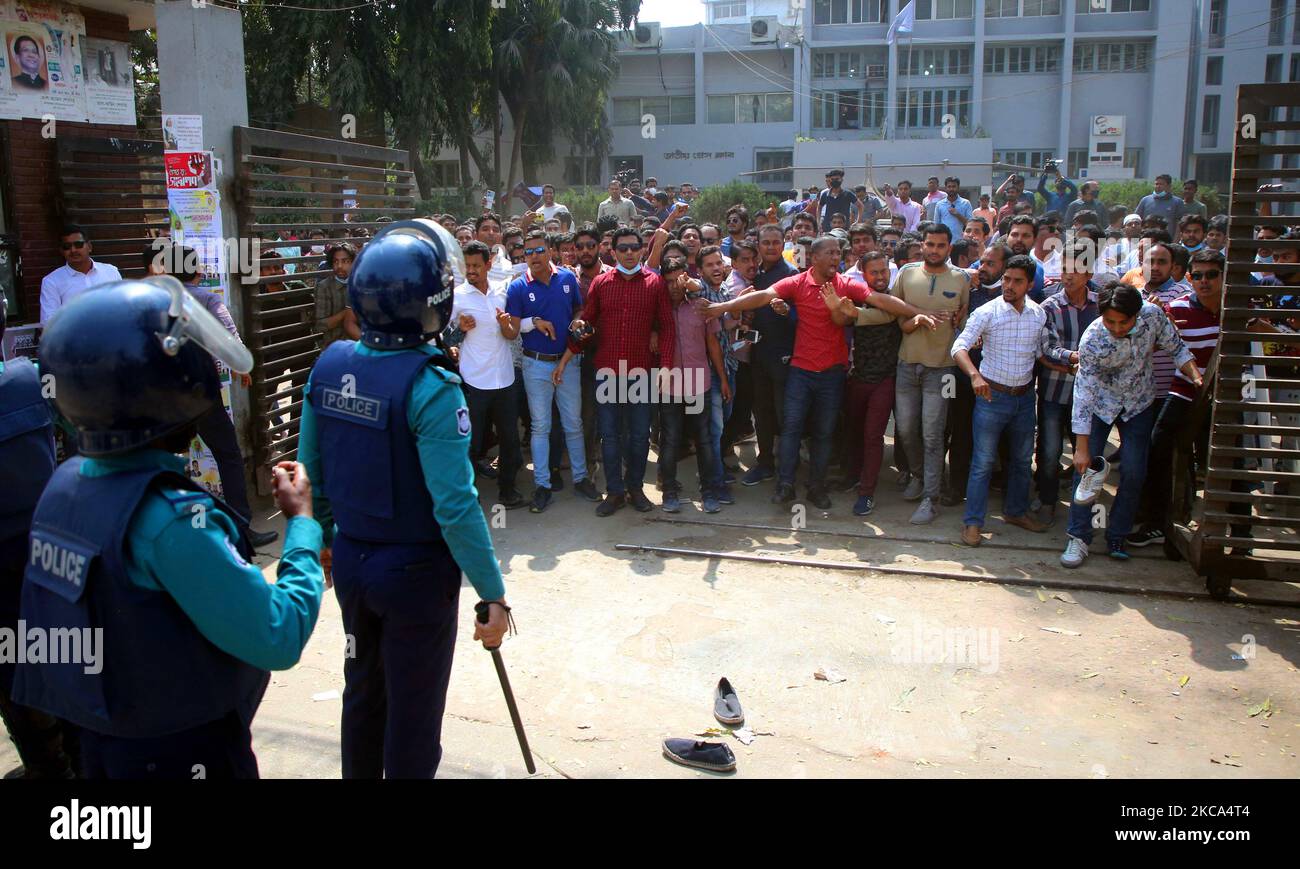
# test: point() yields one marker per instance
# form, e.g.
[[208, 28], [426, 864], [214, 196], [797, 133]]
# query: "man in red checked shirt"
[[815, 386], [623, 308]]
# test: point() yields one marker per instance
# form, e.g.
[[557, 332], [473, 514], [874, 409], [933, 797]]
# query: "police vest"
[[373, 477], [26, 446], [156, 673]]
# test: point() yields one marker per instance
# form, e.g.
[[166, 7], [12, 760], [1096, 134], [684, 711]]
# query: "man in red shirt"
[[815, 385], [624, 307]]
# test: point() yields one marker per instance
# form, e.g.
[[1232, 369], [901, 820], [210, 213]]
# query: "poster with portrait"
[[109, 81], [40, 61]]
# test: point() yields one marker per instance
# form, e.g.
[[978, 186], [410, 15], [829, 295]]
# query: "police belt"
[[1009, 390], [543, 357]]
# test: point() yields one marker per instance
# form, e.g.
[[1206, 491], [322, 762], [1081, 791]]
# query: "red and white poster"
[[189, 170]]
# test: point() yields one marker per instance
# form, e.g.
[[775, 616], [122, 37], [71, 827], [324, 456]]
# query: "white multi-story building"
[[769, 84]]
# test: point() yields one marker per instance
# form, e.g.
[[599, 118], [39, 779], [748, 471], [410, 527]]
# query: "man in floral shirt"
[[1116, 386]]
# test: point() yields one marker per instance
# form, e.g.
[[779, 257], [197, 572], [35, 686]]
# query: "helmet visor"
[[193, 322]]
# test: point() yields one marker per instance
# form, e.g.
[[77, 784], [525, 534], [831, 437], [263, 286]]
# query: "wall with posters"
[[28, 162], [51, 68]]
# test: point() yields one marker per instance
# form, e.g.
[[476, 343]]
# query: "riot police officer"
[[177, 628], [27, 460], [386, 434]]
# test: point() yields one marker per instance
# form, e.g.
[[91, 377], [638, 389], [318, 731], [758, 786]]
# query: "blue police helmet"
[[401, 284], [132, 361]]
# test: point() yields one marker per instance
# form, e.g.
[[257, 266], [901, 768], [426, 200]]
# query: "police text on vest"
[[133, 823], [57, 561]]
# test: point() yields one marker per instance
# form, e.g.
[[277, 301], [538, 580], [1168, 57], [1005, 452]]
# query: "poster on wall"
[[109, 81], [194, 212], [40, 61], [182, 132]]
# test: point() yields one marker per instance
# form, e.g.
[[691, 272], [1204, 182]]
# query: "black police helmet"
[[401, 284], [132, 361]]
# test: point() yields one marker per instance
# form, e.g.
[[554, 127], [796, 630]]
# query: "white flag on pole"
[[904, 21]]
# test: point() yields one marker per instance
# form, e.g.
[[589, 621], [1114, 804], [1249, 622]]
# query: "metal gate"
[[1255, 413], [114, 188], [294, 183]]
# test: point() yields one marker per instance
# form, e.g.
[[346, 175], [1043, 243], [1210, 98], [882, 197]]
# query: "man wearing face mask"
[[1162, 202], [833, 200], [623, 308]]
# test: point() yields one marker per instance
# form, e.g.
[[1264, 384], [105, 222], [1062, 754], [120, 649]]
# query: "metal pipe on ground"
[[887, 538], [920, 573]]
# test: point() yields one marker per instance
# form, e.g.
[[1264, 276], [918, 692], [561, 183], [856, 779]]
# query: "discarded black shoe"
[[713, 756], [726, 705]]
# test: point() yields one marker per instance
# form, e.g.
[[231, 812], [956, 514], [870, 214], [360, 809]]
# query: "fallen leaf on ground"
[[1064, 598], [1089, 675], [1225, 761], [920, 761], [584, 726], [1042, 598], [1266, 706], [826, 674], [744, 734], [1068, 633], [712, 731], [1018, 638], [1183, 681], [902, 698], [325, 695], [885, 620]]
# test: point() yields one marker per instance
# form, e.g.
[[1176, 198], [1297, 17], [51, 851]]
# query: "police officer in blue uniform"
[[27, 461], [386, 434], [177, 629]]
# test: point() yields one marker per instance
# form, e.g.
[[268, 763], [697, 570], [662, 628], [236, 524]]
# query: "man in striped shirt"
[[1069, 311], [1196, 315]]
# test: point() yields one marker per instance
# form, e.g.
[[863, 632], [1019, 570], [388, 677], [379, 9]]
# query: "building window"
[[926, 108], [446, 173], [1273, 69], [667, 111], [582, 171], [1022, 58], [1026, 160], [935, 61], [751, 109], [1276, 22], [850, 11], [1112, 56], [848, 110], [944, 9], [1214, 71], [1295, 24], [723, 11], [1026, 8], [1218, 22], [1083, 7], [765, 160], [838, 64], [1295, 68], [1210, 122], [626, 168], [1076, 161]]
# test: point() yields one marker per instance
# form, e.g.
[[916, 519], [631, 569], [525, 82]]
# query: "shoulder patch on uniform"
[[462, 421], [183, 496], [444, 374]]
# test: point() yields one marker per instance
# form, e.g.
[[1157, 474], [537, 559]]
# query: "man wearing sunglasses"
[[624, 307], [78, 273], [542, 303], [1196, 314]]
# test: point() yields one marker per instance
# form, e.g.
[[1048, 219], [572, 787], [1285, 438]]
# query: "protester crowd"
[[994, 336]]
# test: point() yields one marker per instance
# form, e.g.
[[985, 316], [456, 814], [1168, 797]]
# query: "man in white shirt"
[[550, 209], [487, 368], [78, 274], [903, 206], [1015, 334]]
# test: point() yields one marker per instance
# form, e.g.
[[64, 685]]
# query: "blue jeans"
[[1013, 414], [624, 438], [920, 417], [1135, 442], [719, 413], [812, 396], [1053, 422], [568, 396]]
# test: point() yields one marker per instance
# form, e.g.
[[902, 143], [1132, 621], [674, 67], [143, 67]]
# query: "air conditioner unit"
[[645, 35], [875, 70], [763, 28]]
